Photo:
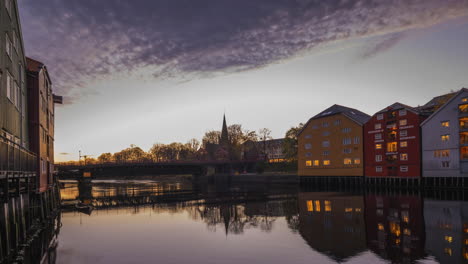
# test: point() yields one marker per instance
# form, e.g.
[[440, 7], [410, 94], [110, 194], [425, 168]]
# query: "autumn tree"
[[212, 137], [105, 157], [290, 142]]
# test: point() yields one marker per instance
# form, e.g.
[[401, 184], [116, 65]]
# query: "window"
[[392, 147], [402, 112], [347, 161], [378, 158], [317, 206], [445, 164], [308, 146], [378, 169], [326, 153], [308, 136], [347, 150], [314, 127], [465, 99], [8, 6], [378, 126], [404, 156], [403, 133], [325, 133], [310, 206], [346, 130], [325, 124], [337, 122], [346, 141], [7, 45], [404, 168], [378, 136], [9, 87], [403, 122], [443, 153], [326, 162], [379, 116], [325, 144], [308, 154], [327, 206], [445, 138], [357, 140], [316, 162], [378, 146], [445, 124], [18, 96], [308, 163], [404, 144], [357, 161], [463, 108]]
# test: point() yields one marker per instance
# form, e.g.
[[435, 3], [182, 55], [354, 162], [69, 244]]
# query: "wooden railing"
[[16, 160]]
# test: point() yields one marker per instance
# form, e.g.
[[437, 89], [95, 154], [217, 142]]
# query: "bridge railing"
[[14, 158]]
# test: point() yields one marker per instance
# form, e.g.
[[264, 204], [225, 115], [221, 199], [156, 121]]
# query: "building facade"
[[392, 142], [13, 108], [41, 120], [330, 143], [268, 150], [445, 139]]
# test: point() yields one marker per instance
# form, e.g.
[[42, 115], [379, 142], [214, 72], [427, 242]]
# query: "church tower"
[[224, 139]]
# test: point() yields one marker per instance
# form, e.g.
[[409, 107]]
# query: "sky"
[[160, 71]]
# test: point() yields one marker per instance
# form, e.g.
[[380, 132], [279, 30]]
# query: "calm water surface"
[[151, 222]]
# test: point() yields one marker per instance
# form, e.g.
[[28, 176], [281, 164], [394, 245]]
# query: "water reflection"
[[180, 223]]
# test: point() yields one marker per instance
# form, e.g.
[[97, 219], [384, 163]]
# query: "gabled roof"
[[436, 102], [452, 97], [36, 66], [357, 116], [397, 106]]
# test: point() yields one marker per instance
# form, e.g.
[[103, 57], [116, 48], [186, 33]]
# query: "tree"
[[212, 137], [264, 135], [290, 143], [193, 144], [105, 157]]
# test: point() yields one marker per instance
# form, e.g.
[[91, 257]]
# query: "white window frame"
[[378, 136], [378, 169], [403, 133], [402, 112], [402, 155], [379, 116], [378, 158], [403, 122], [404, 168], [378, 126]]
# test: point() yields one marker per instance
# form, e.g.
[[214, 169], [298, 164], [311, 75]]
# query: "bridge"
[[195, 168]]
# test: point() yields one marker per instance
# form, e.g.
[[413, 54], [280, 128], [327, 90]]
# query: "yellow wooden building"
[[331, 143]]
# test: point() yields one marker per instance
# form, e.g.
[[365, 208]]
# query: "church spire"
[[224, 140]]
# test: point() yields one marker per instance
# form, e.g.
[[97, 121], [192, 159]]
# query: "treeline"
[[196, 150]]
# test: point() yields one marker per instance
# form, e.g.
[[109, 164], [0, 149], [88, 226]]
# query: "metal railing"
[[16, 159]]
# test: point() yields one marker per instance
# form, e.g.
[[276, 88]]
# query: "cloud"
[[384, 44], [85, 40]]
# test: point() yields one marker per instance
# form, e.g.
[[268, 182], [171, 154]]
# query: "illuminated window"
[[378, 146], [404, 168], [346, 130], [379, 116], [403, 122], [378, 158], [347, 161], [325, 144], [395, 228], [346, 141], [378, 126], [403, 133], [357, 210], [466, 241], [448, 239], [310, 206], [380, 227], [348, 210], [308, 146], [378, 136], [445, 138], [404, 156], [357, 161], [402, 112], [392, 136], [378, 169], [327, 206], [448, 251], [404, 144], [463, 108], [308, 163], [326, 162], [316, 162], [465, 99], [445, 124], [317, 206], [392, 147], [406, 232]]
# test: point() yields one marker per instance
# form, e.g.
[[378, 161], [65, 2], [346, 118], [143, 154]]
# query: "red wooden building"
[[392, 143]]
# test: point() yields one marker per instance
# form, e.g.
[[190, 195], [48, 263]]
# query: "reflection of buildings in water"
[[236, 218], [395, 227], [332, 223], [447, 230]]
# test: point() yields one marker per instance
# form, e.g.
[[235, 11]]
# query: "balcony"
[[16, 160], [463, 124], [463, 110]]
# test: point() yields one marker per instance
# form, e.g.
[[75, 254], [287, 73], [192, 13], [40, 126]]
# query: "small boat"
[[84, 208]]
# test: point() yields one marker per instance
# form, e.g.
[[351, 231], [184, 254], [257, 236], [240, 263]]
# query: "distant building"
[[392, 142], [222, 150], [268, 150], [445, 138], [331, 143], [41, 115]]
